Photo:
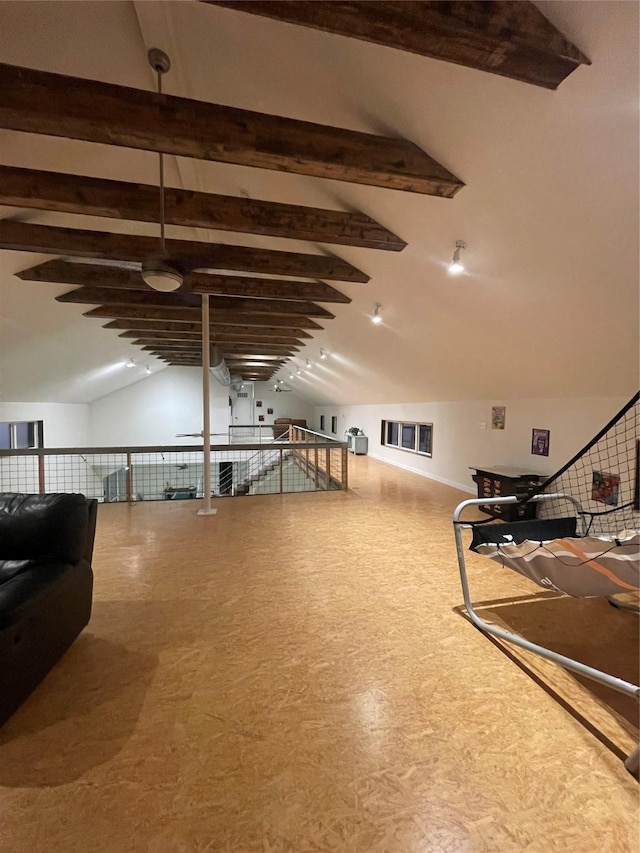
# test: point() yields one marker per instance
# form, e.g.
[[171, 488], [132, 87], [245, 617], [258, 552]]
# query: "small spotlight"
[[456, 266], [147, 370], [131, 363], [323, 354], [309, 365], [377, 319]]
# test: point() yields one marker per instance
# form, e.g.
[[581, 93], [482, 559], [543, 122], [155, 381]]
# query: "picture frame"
[[498, 415], [540, 442], [269, 411], [605, 487], [260, 417], [258, 404]]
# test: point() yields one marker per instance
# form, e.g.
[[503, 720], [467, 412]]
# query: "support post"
[[129, 479], [345, 469], [281, 470], [206, 413], [41, 482]]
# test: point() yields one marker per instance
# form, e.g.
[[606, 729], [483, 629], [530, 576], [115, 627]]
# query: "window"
[[406, 435], [21, 435], [321, 423], [424, 438], [409, 436], [334, 424]]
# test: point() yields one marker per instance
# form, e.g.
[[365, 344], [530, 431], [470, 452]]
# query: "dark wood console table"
[[501, 482]]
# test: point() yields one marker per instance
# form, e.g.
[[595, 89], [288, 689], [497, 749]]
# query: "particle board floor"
[[292, 675]]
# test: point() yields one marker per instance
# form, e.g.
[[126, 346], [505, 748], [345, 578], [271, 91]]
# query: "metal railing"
[[299, 460]]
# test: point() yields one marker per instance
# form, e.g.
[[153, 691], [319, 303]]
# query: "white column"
[[206, 412]]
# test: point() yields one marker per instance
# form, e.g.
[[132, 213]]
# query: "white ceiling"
[[549, 306]]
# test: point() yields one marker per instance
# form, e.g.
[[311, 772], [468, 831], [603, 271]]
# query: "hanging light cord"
[[161, 164]]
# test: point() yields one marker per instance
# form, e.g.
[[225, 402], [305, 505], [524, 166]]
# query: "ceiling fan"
[[159, 273]]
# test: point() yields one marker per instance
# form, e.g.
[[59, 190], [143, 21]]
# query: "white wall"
[[65, 424], [285, 404], [154, 410], [462, 434]]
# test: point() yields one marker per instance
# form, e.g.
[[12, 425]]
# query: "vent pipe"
[[218, 366]]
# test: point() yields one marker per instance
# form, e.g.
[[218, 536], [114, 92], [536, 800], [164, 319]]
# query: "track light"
[[147, 370], [323, 354], [309, 365], [130, 363], [456, 266], [377, 319]]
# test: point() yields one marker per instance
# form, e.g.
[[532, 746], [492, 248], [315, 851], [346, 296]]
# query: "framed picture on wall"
[[540, 442], [605, 487], [260, 417], [258, 404], [498, 414], [269, 411]]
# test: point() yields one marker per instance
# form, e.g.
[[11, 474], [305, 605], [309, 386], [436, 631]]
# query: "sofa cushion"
[[39, 581], [43, 527], [10, 568]]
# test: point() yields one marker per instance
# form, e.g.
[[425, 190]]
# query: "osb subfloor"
[[292, 675]]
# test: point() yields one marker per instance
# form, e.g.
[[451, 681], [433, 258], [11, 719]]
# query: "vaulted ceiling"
[[322, 159]]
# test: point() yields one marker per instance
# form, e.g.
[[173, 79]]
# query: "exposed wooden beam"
[[233, 332], [104, 296], [139, 203], [24, 237], [150, 336], [120, 278], [232, 364], [509, 37], [72, 107], [188, 315], [263, 356], [239, 352]]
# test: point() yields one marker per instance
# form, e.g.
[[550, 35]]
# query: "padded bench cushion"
[[42, 527]]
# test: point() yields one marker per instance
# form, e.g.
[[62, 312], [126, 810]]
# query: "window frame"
[[35, 433], [387, 428]]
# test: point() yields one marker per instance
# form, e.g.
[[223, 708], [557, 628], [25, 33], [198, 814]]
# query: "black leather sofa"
[[46, 585]]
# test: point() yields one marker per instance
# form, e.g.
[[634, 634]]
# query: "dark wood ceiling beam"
[[510, 37], [86, 196], [233, 332], [104, 296], [231, 364], [118, 278], [58, 105], [239, 352], [184, 254], [152, 337], [189, 315]]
